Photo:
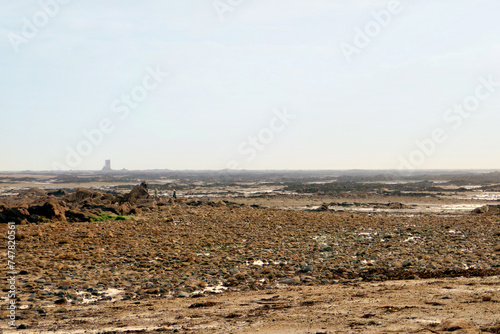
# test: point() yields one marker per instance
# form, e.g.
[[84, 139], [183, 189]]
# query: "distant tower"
[[107, 166]]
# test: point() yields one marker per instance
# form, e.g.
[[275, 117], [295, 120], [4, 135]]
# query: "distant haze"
[[261, 84]]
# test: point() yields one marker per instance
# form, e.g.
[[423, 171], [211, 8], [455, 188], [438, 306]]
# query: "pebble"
[[183, 294], [293, 280], [487, 298]]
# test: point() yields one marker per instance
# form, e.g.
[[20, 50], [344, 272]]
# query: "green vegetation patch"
[[105, 216]]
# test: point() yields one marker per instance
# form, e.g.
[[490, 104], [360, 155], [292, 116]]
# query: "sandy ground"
[[416, 204], [413, 306]]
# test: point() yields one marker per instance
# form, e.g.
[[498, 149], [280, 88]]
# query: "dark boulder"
[[323, 207], [487, 210], [139, 192], [84, 194], [15, 215], [58, 193], [79, 216], [51, 210], [397, 206]]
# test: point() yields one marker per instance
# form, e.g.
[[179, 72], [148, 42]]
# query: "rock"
[[293, 280], [60, 301], [304, 268], [124, 209], [51, 210], [183, 294], [219, 204], [107, 197], [497, 248], [12, 215], [487, 298], [323, 207], [458, 326], [139, 192], [240, 276], [406, 263], [396, 206], [480, 210], [82, 194], [487, 209], [58, 193], [76, 216]]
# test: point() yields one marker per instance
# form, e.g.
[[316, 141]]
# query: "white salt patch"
[[259, 263], [472, 187], [412, 239], [113, 293], [488, 196], [211, 289]]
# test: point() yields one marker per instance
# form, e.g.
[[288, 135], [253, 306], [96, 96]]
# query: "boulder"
[[488, 210], [13, 215], [124, 209], [84, 194], [58, 193], [51, 210], [78, 216], [138, 192], [323, 207], [397, 206]]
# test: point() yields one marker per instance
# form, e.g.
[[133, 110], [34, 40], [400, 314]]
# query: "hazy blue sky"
[[233, 66]]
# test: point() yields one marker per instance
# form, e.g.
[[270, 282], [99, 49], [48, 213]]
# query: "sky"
[[249, 84]]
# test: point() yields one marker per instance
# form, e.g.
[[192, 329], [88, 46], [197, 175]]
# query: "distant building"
[[107, 166]]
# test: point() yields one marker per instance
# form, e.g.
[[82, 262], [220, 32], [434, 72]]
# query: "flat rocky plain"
[[102, 261]]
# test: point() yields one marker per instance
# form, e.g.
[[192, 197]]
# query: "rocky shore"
[[88, 248]]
